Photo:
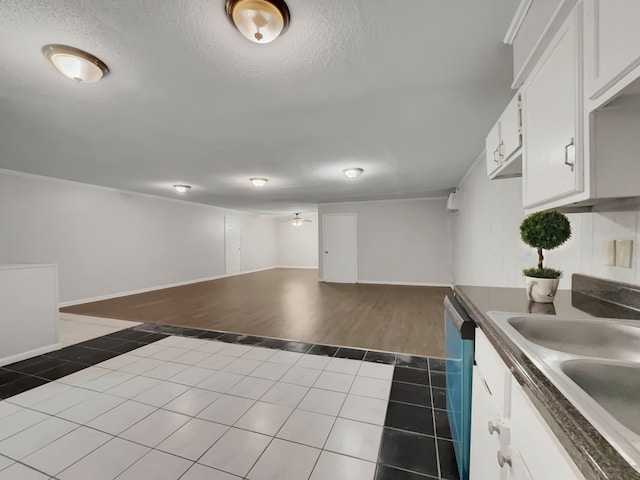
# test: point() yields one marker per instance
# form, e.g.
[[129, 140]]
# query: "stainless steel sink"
[[590, 338], [594, 362], [613, 386]]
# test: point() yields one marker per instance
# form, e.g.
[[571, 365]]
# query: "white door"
[[232, 243], [339, 248]]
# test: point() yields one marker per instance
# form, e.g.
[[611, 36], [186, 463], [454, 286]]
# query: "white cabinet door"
[[612, 37], [484, 446], [539, 449], [552, 119], [518, 469], [492, 145], [510, 136]]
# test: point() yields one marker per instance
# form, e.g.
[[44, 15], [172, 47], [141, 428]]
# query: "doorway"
[[339, 248], [232, 244]]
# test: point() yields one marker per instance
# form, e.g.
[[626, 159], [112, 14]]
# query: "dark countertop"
[[594, 456]]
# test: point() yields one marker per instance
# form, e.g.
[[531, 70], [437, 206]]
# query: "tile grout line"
[[435, 432], [190, 386]]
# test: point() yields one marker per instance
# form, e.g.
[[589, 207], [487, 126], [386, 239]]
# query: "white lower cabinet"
[[509, 438], [485, 440], [539, 449]]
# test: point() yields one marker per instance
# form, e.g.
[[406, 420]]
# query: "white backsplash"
[[487, 246]]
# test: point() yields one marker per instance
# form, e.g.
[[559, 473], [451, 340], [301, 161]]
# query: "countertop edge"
[[594, 456]]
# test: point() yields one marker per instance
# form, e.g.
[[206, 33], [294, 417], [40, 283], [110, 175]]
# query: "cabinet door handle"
[[500, 150], [493, 428], [503, 459], [566, 154], [495, 152]]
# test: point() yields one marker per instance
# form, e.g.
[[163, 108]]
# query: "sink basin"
[[612, 340], [613, 386], [594, 363]]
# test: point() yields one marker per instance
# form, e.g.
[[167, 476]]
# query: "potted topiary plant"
[[544, 230]]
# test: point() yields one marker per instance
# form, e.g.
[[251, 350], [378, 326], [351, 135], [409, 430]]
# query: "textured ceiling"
[[406, 89]]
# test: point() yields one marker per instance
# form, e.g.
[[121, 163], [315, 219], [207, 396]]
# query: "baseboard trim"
[[408, 284], [109, 296], [31, 353], [288, 266]]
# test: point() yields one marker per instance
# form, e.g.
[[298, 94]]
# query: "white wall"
[[298, 246], [487, 246], [399, 241], [259, 242], [106, 241]]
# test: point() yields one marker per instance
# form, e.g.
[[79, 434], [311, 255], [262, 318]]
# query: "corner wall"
[[107, 242], [298, 246], [399, 241]]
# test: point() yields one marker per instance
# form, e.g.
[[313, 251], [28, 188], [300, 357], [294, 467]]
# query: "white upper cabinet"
[[504, 142], [491, 147], [510, 130], [612, 44], [552, 106]]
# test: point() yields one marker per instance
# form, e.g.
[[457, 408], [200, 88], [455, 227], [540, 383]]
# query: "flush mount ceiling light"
[[76, 64], [258, 182], [352, 172], [261, 21], [182, 188]]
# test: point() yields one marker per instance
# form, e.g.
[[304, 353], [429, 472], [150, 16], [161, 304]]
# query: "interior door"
[[339, 248], [232, 244]]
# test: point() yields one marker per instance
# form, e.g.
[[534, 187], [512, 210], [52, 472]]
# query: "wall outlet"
[[609, 253], [624, 252]]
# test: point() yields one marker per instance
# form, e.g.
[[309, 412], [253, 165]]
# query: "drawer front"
[[494, 372]]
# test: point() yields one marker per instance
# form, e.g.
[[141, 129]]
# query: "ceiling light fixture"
[[352, 172], [182, 188], [261, 21], [258, 182], [76, 64]]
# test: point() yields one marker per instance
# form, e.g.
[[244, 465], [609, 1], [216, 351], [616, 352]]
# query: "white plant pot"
[[541, 290]]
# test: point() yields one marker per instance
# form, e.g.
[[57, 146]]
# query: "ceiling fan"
[[296, 221]]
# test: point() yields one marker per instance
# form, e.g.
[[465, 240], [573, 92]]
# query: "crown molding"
[[518, 20]]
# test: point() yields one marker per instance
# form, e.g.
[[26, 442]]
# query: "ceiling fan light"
[[75, 64], [352, 172], [261, 21], [182, 188], [258, 182]]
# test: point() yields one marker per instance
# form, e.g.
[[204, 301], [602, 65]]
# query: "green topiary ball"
[[546, 230]]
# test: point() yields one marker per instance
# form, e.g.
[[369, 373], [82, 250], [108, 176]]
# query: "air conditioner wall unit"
[[451, 202]]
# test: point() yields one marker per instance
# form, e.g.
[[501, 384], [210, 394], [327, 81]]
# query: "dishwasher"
[[459, 340]]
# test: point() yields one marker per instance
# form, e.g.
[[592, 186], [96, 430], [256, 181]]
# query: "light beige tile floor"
[[80, 328]]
